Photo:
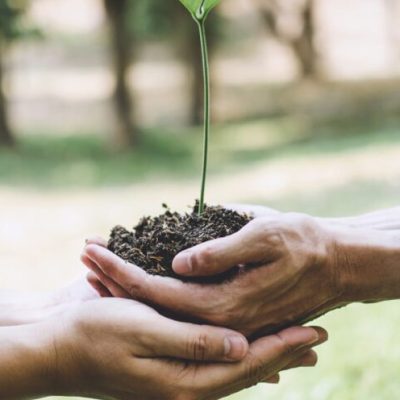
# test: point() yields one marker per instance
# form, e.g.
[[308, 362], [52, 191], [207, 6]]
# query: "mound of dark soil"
[[155, 241]]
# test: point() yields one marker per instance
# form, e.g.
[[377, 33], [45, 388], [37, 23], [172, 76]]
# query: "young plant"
[[199, 9]]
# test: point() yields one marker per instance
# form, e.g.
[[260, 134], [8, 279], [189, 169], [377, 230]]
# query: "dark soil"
[[155, 241]]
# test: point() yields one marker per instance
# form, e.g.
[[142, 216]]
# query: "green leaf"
[[199, 8]]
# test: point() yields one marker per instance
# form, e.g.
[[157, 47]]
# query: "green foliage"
[[150, 19], [199, 8], [85, 161], [12, 22], [167, 20]]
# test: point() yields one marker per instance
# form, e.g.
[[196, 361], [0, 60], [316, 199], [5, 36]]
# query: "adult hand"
[[296, 277], [305, 267], [123, 350], [19, 308]]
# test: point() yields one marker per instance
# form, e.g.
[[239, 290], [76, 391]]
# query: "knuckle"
[[134, 290], [138, 290], [268, 230], [302, 223], [203, 258], [198, 347], [313, 238], [282, 345]]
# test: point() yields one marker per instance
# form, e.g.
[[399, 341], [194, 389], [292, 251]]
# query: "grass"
[[83, 161], [360, 361], [86, 161], [362, 358], [350, 199]]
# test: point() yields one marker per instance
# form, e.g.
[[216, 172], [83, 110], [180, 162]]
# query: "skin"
[[121, 349], [61, 343], [305, 267], [18, 308]]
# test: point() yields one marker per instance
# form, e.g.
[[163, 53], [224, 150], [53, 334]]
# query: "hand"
[[18, 308], [123, 350], [296, 278]]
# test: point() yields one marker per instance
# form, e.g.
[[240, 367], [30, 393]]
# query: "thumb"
[[220, 255], [192, 342]]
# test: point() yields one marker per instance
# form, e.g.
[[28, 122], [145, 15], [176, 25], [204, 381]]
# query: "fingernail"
[[182, 263], [310, 336], [236, 347]]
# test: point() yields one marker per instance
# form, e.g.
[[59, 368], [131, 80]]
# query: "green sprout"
[[199, 9]]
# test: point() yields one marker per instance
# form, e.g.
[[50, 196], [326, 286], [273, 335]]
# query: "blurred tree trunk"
[[121, 45], [301, 44], [6, 137]]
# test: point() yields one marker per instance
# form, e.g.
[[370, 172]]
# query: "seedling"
[[199, 9], [155, 241]]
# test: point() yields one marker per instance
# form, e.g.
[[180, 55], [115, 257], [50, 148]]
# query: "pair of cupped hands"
[[234, 335]]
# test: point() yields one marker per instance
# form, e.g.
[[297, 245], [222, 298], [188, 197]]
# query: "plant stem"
[[206, 76]]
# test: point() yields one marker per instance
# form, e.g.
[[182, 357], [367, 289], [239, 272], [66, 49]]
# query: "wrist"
[[367, 264], [27, 362], [73, 369]]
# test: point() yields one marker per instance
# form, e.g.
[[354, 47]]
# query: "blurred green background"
[[100, 110]]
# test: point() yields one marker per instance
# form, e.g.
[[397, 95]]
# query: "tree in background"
[[6, 136], [300, 40], [11, 28], [134, 23], [121, 39]]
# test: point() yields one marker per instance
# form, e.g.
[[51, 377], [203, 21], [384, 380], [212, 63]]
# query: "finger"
[[114, 288], [168, 338], [308, 359], [169, 293], [96, 240], [105, 263], [273, 379], [94, 282], [220, 255], [322, 334], [266, 357]]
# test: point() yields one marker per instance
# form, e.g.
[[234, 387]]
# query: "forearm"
[[26, 360], [368, 263], [388, 219]]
